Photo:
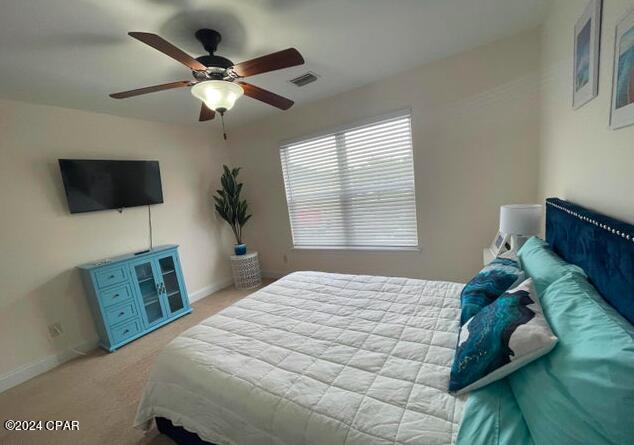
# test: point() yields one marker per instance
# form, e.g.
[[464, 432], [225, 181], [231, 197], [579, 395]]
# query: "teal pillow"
[[543, 265], [583, 391], [492, 417]]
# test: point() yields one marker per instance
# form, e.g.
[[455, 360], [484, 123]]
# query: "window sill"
[[358, 249]]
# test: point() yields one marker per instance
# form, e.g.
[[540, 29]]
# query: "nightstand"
[[487, 256]]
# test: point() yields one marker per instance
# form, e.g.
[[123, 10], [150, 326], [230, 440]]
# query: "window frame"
[[402, 112]]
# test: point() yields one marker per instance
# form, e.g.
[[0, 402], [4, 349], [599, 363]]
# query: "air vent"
[[304, 79]]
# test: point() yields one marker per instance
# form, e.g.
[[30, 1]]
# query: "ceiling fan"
[[217, 80]]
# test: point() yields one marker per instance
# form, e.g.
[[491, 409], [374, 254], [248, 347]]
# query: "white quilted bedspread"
[[316, 358]]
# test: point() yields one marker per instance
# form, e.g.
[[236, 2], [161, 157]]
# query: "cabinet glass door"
[[172, 289], [150, 292]]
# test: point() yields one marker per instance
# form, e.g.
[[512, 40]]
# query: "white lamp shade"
[[218, 95], [520, 219]]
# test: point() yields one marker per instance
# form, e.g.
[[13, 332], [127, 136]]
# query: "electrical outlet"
[[55, 329]]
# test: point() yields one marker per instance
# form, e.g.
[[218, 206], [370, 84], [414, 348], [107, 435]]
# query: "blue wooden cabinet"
[[134, 294]]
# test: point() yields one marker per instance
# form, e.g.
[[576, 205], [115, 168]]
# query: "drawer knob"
[[126, 331], [121, 313], [111, 276], [115, 295]]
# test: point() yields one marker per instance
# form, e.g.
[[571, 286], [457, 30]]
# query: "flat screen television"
[[93, 185]]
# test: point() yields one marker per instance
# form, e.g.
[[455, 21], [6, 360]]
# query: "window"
[[353, 188]]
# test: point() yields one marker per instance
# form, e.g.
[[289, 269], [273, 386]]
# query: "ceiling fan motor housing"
[[210, 39], [213, 72]]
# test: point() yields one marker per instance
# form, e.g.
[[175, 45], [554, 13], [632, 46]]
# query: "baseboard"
[[273, 275], [208, 290], [35, 368]]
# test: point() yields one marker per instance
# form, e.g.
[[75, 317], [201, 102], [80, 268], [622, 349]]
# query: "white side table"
[[487, 256], [246, 270]]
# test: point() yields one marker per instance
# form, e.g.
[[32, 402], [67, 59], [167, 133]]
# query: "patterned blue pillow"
[[501, 338], [491, 282]]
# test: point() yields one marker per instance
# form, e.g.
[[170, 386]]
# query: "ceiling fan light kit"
[[217, 80], [218, 95]]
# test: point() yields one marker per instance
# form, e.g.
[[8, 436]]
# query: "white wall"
[[582, 159], [42, 242], [475, 134]]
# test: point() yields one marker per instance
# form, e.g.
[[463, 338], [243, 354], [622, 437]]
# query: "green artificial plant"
[[228, 203]]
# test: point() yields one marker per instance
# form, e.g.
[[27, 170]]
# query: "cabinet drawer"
[[125, 331], [116, 295], [121, 313], [110, 276]]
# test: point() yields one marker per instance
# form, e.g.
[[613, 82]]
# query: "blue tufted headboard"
[[602, 246]]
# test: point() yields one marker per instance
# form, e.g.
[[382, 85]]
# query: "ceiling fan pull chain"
[[222, 119]]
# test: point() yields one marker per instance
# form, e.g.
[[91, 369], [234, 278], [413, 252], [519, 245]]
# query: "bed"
[[316, 358], [319, 358]]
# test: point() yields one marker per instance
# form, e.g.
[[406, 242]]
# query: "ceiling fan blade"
[[152, 89], [206, 114], [167, 48], [271, 62], [266, 96]]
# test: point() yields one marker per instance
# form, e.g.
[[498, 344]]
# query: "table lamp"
[[520, 221]]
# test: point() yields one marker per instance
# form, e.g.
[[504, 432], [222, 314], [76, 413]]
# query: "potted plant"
[[230, 207]]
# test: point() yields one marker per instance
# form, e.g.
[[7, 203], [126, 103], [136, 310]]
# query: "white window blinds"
[[353, 188]]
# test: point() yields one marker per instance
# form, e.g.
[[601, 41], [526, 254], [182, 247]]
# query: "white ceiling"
[[73, 53]]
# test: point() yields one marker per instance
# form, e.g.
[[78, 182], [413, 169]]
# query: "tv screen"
[[100, 185]]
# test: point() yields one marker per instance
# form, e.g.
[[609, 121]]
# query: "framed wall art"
[[586, 56], [622, 113]]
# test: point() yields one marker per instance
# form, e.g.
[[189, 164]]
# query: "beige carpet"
[[100, 390]]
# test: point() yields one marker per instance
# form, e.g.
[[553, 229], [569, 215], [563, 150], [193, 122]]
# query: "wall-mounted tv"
[[101, 185]]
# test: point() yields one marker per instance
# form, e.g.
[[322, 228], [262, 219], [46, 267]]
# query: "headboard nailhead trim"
[[592, 221]]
